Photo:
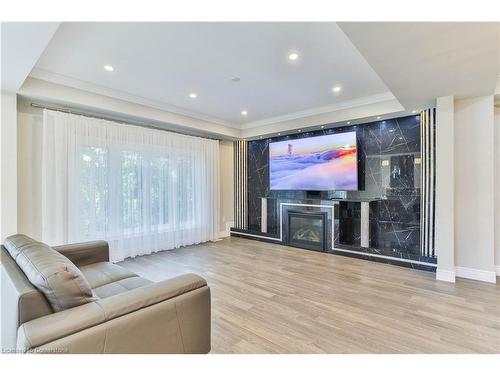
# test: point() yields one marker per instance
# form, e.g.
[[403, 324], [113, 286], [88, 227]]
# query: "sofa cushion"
[[102, 273], [52, 273], [120, 286]]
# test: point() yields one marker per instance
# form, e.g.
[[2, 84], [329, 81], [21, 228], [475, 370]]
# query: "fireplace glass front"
[[307, 230]]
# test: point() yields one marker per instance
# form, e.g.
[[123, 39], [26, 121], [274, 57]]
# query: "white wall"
[[8, 162], [444, 223], [226, 187], [467, 188], [29, 173], [497, 190], [474, 188]]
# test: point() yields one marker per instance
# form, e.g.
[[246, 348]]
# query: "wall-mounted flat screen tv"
[[328, 162]]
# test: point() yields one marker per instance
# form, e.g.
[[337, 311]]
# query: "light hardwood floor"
[[269, 298]]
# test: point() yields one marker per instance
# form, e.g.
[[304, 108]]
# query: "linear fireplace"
[[307, 229]]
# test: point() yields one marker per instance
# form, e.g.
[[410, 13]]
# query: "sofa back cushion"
[[20, 302], [62, 283]]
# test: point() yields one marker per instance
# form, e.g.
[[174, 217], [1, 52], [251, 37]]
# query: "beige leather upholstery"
[[61, 282], [102, 273], [20, 300], [84, 253], [120, 286], [133, 315], [121, 311], [107, 279]]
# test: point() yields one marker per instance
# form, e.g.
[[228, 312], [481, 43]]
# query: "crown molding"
[[63, 80], [50, 93], [356, 114], [366, 100]]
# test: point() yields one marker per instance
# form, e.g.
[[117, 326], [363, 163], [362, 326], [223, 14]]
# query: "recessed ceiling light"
[[378, 117], [414, 111], [193, 95], [300, 130], [322, 126], [260, 137], [348, 122], [244, 113], [293, 56], [279, 133], [108, 68], [336, 89]]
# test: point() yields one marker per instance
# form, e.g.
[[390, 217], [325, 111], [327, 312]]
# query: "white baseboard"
[[227, 231], [497, 269], [224, 234], [475, 274], [445, 275]]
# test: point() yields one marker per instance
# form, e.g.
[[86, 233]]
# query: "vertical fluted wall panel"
[[428, 152], [240, 185]]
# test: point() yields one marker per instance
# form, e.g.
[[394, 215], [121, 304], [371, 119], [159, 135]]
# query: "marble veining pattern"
[[388, 171]]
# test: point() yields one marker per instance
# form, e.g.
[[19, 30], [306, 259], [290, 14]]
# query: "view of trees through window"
[[137, 192], [94, 190]]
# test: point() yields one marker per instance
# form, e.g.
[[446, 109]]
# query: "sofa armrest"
[[135, 299], [84, 253], [168, 316]]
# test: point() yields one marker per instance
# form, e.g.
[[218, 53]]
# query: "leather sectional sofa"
[[71, 299]]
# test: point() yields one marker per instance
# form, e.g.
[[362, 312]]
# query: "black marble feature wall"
[[389, 173]]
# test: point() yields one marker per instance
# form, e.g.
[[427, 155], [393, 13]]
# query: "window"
[[142, 190], [94, 190], [152, 190]]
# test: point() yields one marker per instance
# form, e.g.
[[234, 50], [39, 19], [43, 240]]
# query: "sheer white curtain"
[[143, 190]]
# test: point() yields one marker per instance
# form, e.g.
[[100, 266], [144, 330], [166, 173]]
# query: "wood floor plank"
[[268, 298]]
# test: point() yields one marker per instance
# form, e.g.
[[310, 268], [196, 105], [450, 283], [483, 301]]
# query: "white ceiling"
[[384, 69], [164, 62], [21, 46], [421, 61]]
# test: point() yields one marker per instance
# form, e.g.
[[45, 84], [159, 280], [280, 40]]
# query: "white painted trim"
[[45, 92], [497, 270], [58, 89], [357, 115], [445, 275], [263, 215], [332, 207], [281, 220], [475, 274], [227, 231], [348, 251], [256, 235], [63, 80], [371, 99], [386, 257]]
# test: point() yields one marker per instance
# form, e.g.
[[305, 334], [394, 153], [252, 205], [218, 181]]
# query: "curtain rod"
[[114, 119]]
